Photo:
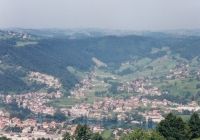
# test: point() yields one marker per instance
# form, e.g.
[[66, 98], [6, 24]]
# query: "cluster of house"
[[44, 78], [184, 64], [120, 106], [85, 84], [139, 85], [126, 63], [34, 101], [116, 105], [19, 35], [198, 72], [80, 110], [103, 108], [178, 74], [30, 129], [154, 115]]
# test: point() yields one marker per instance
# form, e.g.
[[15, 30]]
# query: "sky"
[[104, 14]]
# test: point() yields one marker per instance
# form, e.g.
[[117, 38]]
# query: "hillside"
[[53, 56]]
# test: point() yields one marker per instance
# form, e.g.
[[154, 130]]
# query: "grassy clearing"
[[167, 62], [78, 74], [160, 67], [165, 48], [177, 56], [1, 72], [98, 62], [91, 98], [106, 133], [125, 67], [66, 102], [4, 66], [22, 43], [181, 88], [103, 73], [194, 63], [4, 36], [144, 61], [154, 50]]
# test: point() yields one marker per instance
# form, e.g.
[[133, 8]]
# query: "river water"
[[118, 124]]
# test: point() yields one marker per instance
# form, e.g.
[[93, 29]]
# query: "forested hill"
[[52, 56], [187, 47], [110, 49]]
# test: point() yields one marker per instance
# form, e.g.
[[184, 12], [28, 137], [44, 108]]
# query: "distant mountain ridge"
[[93, 32]]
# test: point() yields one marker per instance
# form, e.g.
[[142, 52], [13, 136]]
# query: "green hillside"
[[53, 56]]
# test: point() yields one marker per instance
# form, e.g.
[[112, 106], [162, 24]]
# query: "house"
[[39, 132], [45, 125], [53, 124], [98, 129]]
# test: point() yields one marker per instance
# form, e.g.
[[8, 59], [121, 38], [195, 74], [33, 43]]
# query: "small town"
[[101, 109], [137, 109]]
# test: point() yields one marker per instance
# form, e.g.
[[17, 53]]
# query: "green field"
[[154, 50], [65, 102], [80, 75], [24, 43], [179, 87], [161, 67], [106, 133], [4, 36]]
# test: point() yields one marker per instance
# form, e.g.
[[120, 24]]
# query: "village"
[[35, 102], [49, 80], [104, 109], [19, 35]]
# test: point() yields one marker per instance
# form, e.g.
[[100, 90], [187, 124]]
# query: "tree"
[[197, 86], [96, 136], [173, 127], [186, 112], [141, 134], [59, 116], [66, 136], [68, 113], [156, 136], [4, 138], [197, 78], [194, 124], [82, 132], [150, 122]]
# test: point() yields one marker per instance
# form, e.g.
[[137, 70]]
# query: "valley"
[[68, 81]]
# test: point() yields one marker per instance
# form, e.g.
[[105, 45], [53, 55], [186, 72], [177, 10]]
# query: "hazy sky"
[[107, 14]]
